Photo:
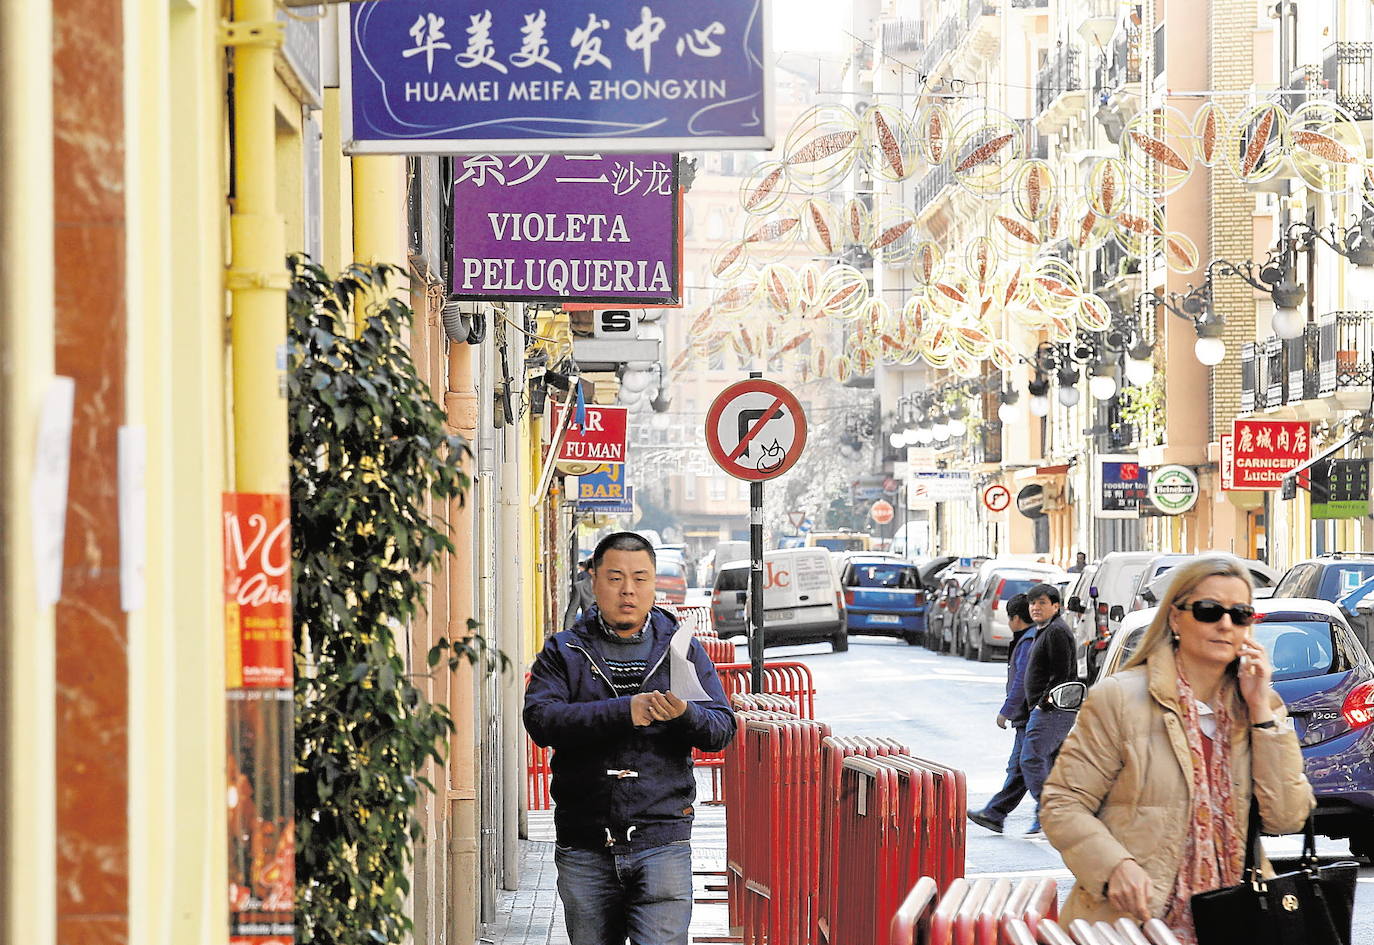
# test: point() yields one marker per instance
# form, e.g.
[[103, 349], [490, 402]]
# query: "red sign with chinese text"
[[257, 590], [599, 439], [1264, 450]]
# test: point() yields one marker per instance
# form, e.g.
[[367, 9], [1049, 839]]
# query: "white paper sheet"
[[686, 685]]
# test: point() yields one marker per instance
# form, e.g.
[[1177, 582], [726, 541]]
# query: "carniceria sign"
[[1173, 489]]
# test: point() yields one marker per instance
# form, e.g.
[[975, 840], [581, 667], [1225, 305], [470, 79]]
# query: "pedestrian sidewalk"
[[532, 915]]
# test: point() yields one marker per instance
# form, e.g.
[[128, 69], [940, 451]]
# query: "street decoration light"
[[1103, 385]]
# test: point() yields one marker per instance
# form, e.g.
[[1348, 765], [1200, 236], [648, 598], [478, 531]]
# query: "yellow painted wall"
[[177, 217], [28, 833]]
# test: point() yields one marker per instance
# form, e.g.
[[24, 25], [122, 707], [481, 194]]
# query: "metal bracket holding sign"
[[756, 430], [525, 76]]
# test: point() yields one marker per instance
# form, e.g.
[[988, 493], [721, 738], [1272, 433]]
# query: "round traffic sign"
[[881, 512], [755, 430], [996, 498]]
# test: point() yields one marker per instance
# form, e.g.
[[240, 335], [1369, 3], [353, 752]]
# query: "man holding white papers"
[[623, 697]]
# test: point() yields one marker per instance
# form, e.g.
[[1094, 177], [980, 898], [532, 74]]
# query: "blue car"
[[1326, 679], [883, 597]]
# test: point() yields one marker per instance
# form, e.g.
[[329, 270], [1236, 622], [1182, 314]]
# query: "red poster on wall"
[[257, 590], [1267, 449]]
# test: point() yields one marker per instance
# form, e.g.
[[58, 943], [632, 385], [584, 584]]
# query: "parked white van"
[[802, 599]]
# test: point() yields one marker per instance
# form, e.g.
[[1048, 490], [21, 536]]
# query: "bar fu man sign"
[[539, 227], [459, 76]]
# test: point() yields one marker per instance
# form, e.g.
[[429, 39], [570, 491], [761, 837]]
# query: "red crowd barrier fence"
[[982, 911]]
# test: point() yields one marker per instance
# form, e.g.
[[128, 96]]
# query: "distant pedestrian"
[[580, 596], [1014, 713], [623, 786], [1150, 801], [1079, 564], [1051, 661]]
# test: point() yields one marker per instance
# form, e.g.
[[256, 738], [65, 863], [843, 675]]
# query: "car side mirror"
[[1116, 613], [1075, 604], [1068, 696]]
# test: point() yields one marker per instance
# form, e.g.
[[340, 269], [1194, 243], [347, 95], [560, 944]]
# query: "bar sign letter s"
[[615, 323]]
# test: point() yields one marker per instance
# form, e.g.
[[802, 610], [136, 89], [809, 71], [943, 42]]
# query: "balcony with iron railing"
[[1055, 86], [1346, 70], [940, 44], [1335, 356], [929, 188], [901, 35]]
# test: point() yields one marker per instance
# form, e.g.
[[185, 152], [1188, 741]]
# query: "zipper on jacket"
[[596, 669]]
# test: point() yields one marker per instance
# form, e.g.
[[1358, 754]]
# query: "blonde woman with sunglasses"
[[1149, 801]]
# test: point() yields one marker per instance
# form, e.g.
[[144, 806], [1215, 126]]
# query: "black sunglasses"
[[1210, 611]]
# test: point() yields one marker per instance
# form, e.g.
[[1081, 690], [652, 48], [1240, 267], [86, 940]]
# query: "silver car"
[[983, 629]]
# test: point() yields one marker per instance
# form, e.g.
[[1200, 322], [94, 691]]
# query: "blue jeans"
[[1014, 788], [1045, 732], [645, 896]]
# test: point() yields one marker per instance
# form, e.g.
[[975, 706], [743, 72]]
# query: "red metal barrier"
[[946, 822], [834, 751], [942, 920], [782, 677], [867, 827], [539, 775], [720, 651], [736, 774], [911, 924], [965, 918], [987, 921], [1158, 933], [1016, 932]]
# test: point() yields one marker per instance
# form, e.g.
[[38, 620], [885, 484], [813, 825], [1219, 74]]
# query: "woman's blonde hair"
[[1185, 577]]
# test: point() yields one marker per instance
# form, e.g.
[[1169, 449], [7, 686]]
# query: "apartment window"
[[717, 493], [689, 486]]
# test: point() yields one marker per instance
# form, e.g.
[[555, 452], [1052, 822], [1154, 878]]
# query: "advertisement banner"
[[257, 590], [1173, 489], [1227, 466], [1266, 449], [1340, 488], [600, 229], [1122, 487], [941, 486], [600, 438], [605, 483], [458, 76]]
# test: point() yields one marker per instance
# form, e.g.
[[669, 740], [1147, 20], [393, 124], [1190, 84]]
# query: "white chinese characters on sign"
[[511, 171], [586, 42]]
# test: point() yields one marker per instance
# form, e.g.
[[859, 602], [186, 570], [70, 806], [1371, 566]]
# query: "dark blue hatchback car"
[[1326, 680], [883, 597]]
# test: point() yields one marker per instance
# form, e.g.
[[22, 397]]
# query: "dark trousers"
[[1014, 788], [1045, 733]]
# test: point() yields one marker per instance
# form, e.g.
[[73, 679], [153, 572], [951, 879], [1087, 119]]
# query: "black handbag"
[[1309, 906]]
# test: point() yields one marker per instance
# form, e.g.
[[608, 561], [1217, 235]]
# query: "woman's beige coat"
[[1122, 786]]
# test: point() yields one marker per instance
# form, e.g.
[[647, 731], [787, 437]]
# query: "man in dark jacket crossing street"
[[1051, 661], [601, 696]]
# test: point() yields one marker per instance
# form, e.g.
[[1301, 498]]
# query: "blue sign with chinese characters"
[[520, 76]]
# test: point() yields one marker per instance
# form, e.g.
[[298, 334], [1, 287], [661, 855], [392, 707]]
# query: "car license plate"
[[779, 615], [886, 618]]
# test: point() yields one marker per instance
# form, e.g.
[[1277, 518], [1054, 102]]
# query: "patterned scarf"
[[1212, 853]]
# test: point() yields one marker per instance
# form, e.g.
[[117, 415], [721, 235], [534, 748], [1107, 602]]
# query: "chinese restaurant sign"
[[539, 227], [460, 76], [1266, 449], [1340, 488], [1123, 484]]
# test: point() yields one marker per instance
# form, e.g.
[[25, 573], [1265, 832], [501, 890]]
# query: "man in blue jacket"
[[623, 786], [1014, 712]]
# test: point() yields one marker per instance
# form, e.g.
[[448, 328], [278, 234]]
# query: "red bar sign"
[[1267, 449], [599, 439]]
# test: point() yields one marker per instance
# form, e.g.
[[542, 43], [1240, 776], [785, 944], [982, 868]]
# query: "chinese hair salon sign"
[[548, 227], [1266, 449], [462, 76]]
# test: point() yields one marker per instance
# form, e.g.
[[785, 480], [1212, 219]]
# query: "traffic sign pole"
[[756, 580]]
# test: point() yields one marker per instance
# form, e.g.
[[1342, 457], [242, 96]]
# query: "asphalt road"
[[944, 707]]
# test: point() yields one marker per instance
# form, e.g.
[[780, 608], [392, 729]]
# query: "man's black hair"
[[1019, 606], [1043, 590], [622, 541], [586, 564]]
